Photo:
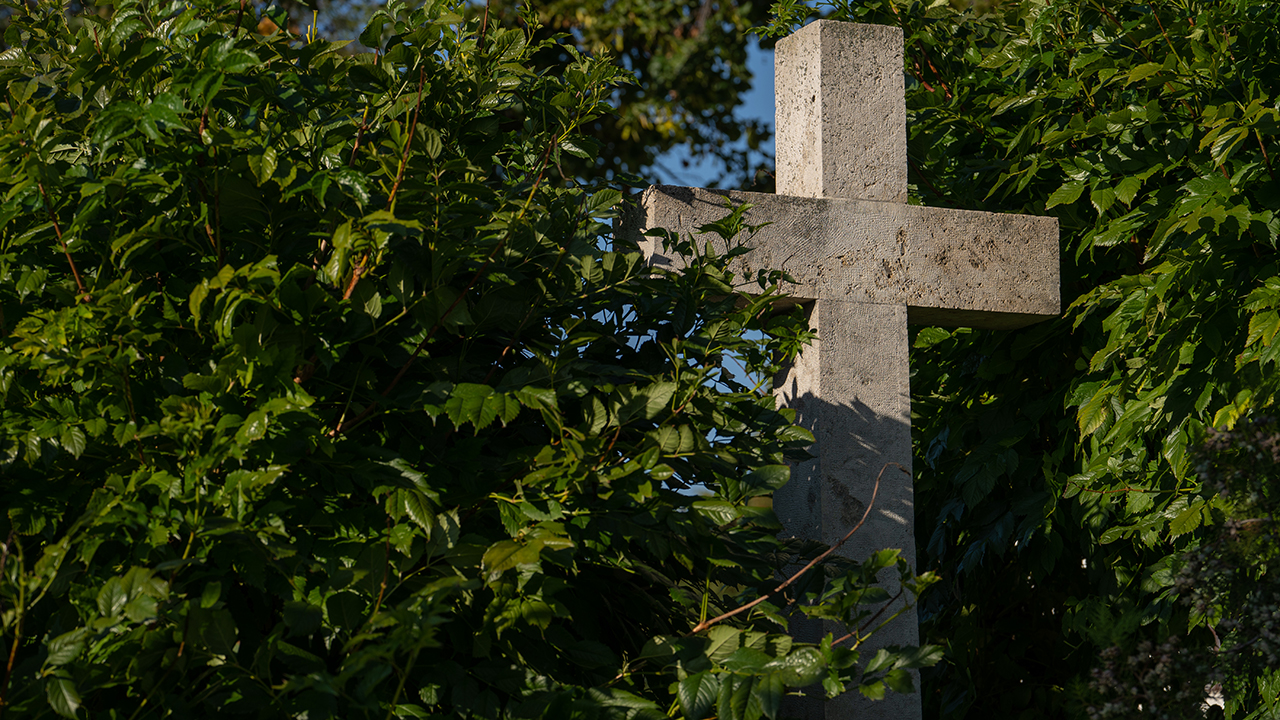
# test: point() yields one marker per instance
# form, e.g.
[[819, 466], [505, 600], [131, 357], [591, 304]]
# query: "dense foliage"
[[1229, 578], [688, 57], [1055, 486], [327, 394]]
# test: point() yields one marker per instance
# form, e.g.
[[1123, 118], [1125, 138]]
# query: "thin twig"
[[1081, 488], [57, 230], [1265, 158], [364, 123], [870, 620], [408, 142], [355, 278], [789, 581], [920, 48], [343, 427], [484, 28], [386, 564], [920, 174]]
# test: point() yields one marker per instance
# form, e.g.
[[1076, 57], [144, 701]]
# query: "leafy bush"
[[327, 394]]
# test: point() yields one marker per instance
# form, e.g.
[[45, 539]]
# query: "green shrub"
[[326, 394]]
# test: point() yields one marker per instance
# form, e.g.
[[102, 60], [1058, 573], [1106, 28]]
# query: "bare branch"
[[789, 581]]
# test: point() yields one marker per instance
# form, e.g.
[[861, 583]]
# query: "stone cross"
[[869, 263]]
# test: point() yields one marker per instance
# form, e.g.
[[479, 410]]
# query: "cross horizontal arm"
[[957, 268]]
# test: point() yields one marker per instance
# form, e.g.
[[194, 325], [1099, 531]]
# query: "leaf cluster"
[[327, 393]]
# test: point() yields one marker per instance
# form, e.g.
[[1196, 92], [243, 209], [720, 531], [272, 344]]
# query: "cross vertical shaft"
[[841, 133]]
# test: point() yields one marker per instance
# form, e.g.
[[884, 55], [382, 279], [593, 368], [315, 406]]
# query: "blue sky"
[[758, 104]]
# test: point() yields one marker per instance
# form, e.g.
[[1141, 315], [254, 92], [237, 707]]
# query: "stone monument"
[[868, 263]]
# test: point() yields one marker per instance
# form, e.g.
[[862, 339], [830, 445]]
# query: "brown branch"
[[57, 230], [355, 277], [386, 564], [919, 70], [920, 174], [1081, 488], [484, 28], [1165, 33], [408, 142], [418, 350], [364, 123], [128, 398], [796, 576], [870, 620], [208, 229], [941, 80], [1265, 158], [204, 198], [239, 19]]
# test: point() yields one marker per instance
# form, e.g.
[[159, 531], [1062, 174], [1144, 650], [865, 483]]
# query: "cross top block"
[[841, 112]]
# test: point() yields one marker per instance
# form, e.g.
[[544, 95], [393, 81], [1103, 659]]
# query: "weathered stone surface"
[[949, 267], [840, 117]]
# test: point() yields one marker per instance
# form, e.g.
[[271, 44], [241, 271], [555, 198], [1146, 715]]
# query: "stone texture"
[[841, 120], [850, 390], [949, 267], [857, 404]]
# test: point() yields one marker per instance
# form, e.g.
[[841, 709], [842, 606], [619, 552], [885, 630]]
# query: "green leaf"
[[1066, 195], [735, 692], [218, 632], [723, 641], [263, 165], [1093, 413], [590, 654], [746, 660], [765, 480], [235, 60], [112, 598], [254, 428], [302, 618], [766, 695], [480, 405], [1127, 189], [345, 610], [719, 512], [602, 200], [74, 440], [1226, 143], [1144, 71], [65, 648], [799, 668], [211, 595], [1102, 197], [1187, 520], [697, 694], [508, 554], [433, 144], [899, 680], [63, 696]]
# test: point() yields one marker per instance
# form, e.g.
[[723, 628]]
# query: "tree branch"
[[796, 576], [57, 230]]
